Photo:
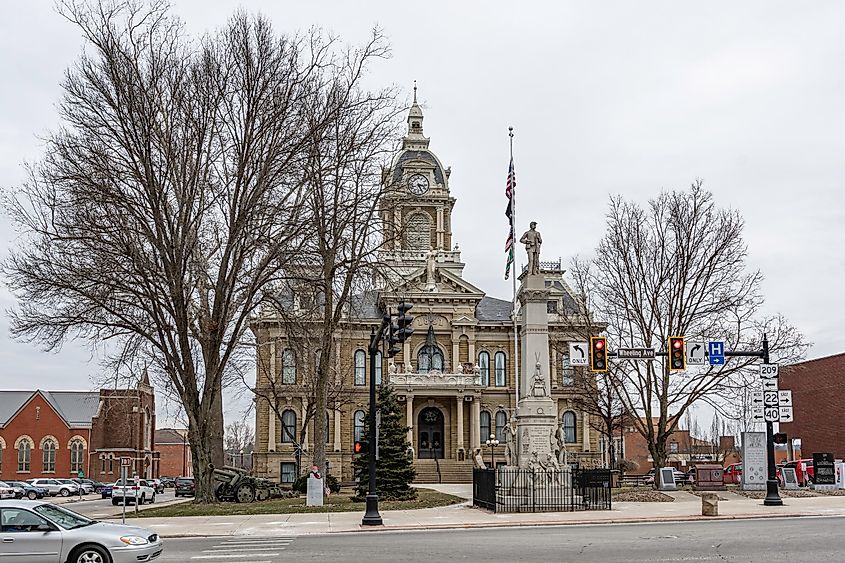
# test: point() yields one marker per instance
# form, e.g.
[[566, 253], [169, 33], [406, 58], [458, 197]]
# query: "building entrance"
[[430, 434]]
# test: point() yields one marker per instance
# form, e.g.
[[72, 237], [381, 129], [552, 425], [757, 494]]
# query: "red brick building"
[[175, 452], [45, 433], [60, 433], [683, 450], [818, 410]]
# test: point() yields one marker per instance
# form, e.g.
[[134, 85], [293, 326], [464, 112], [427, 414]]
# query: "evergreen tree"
[[395, 467]]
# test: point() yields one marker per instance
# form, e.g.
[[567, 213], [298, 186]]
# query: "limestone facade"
[[455, 375]]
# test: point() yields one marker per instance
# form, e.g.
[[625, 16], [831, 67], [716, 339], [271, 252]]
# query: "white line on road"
[[241, 549], [233, 556], [257, 542]]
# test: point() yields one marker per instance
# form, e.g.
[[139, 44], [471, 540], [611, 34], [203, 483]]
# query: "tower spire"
[[415, 138], [415, 91]]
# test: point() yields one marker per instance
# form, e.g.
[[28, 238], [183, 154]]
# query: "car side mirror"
[[45, 528]]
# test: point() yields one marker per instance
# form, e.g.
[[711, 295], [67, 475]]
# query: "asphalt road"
[[767, 540], [96, 507]]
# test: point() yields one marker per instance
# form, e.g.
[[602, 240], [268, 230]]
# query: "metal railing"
[[510, 489]]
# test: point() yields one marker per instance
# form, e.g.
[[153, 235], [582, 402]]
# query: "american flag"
[[509, 191]]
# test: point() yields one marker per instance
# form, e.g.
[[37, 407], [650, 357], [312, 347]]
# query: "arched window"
[[77, 454], [48, 456], [288, 427], [567, 372], [485, 425], [288, 367], [360, 369], [484, 368], [359, 426], [24, 453], [429, 358], [418, 232], [148, 429], [569, 427], [500, 369], [378, 368], [501, 422]]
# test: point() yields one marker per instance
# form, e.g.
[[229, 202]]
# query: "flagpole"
[[513, 299]]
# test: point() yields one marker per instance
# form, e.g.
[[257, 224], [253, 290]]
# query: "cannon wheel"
[[245, 493], [222, 492]]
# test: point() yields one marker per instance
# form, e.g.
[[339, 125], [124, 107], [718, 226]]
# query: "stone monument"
[[314, 489], [754, 461], [535, 413]]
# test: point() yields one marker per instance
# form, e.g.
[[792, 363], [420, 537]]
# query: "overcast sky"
[[605, 98]]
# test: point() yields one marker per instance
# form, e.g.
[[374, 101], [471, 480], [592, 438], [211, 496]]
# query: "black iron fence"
[[510, 489]]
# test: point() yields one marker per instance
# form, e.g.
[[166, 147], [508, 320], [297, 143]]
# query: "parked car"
[[86, 487], [132, 493], [55, 533], [8, 491], [185, 487], [30, 491], [732, 475], [157, 486], [168, 482], [55, 487], [105, 490]]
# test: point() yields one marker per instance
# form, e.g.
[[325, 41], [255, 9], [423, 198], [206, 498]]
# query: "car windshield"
[[63, 517], [185, 481]]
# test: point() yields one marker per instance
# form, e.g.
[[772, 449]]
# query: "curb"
[[531, 523]]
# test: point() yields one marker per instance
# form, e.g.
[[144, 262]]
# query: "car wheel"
[[90, 554], [32, 495], [114, 501], [143, 499], [64, 492]]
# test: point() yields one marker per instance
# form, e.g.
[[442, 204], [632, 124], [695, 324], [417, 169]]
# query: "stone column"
[[406, 355], [440, 228], [474, 423], [459, 403], [337, 443], [271, 414], [456, 353], [397, 225], [585, 441], [409, 417], [304, 411], [271, 428]]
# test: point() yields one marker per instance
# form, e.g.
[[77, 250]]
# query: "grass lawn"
[[339, 502]]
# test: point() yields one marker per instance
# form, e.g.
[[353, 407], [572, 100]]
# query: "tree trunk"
[[202, 454]]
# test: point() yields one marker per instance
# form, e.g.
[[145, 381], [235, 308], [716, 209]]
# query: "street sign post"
[[635, 353], [785, 398], [716, 353], [785, 414], [124, 475], [578, 354], [695, 354], [757, 413]]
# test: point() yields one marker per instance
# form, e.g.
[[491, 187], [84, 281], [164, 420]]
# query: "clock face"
[[418, 184]]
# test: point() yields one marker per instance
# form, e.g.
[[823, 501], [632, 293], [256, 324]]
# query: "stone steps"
[[451, 471]]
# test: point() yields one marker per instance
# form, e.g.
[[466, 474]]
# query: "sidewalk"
[[685, 507]]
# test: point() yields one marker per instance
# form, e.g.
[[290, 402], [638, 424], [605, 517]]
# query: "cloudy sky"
[[605, 98]]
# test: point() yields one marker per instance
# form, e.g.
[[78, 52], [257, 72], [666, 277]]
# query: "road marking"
[[239, 549], [257, 542], [234, 556]]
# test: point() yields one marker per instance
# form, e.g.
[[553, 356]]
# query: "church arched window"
[[569, 427], [500, 369], [484, 367], [418, 231]]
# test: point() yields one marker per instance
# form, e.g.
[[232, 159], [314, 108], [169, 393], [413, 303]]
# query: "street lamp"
[[492, 442]]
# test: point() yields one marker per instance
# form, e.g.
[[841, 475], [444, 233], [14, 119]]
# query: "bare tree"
[[676, 268], [170, 198], [240, 437]]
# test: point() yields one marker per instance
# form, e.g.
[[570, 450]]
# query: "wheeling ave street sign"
[[635, 353]]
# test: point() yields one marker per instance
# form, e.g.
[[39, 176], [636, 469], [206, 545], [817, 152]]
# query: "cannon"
[[235, 484]]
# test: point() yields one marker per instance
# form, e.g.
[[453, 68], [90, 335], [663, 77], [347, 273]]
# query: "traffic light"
[[403, 323], [779, 438], [677, 356], [598, 353], [362, 447]]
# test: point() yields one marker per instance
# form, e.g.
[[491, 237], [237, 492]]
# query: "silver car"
[[40, 532], [55, 487]]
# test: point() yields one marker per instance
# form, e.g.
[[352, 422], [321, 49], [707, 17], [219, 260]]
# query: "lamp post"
[[395, 333], [492, 442]]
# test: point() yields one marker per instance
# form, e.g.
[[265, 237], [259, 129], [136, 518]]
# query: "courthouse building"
[[454, 377]]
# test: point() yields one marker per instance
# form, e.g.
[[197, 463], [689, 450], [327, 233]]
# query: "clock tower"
[[416, 208]]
